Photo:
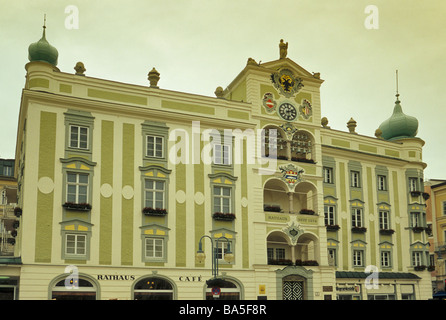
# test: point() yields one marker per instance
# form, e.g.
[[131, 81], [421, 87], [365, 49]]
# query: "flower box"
[[386, 231], [281, 262], [359, 229], [426, 196], [307, 211], [332, 227], [17, 211], [77, 206], [415, 193], [303, 160], [271, 208], [431, 268], [154, 211], [223, 216], [307, 263], [282, 158], [419, 268], [418, 229]]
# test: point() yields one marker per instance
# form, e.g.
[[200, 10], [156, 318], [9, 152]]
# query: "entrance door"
[[293, 290]]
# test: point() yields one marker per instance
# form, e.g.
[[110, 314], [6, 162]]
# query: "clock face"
[[287, 111]]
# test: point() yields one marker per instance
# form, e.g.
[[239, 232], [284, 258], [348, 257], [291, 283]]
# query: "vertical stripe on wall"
[[180, 214], [199, 207], [245, 226], [44, 206], [128, 167], [371, 208], [106, 202], [344, 228], [397, 215]]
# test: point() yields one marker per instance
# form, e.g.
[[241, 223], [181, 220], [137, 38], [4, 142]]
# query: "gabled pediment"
[[287, 63]]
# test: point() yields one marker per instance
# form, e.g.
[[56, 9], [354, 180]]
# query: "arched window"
[[228, 291], [302, 147], [85, 290], [153, 288]]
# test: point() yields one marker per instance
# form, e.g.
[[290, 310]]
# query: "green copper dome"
[[399, 125], [43, 51]]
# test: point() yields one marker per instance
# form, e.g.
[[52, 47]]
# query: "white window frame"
[[357, 217], [153, 191], [76, 143], [328, 175], [332, 253], [220, 197], [222, 154], [385, 259], [158, 146], [77, 244], [355, 177], [358, 258], [77, 185], [7, 171], [444, 208], [382, 183], [329, 215], [415, 219], [384, 220], [413, 184], [157, 248], [417, 258]]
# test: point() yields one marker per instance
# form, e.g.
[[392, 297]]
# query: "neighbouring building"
[[9, 223], [125, 187], [436, 205]]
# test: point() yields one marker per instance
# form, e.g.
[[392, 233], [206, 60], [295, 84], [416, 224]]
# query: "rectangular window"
[[154, 248], [154, 191], [7, 171], [222, 154], [413, 184], [416, 258], [78, 137], [385, 258], [155, 146], [444, 208], [384, 222], [222, 199], [332, 257], [329, 212], [358, 258], [221, 249], [328, 175], [355, 179], [356, 217], [77, 187], [75, 244], [415, 219], [382, 183], [280, 253]]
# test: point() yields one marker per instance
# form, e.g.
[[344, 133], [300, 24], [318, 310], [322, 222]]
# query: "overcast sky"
[[198, 45]]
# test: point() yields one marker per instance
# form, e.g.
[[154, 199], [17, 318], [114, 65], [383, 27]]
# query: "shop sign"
[[190, 278], [115, 277], [348, 288]]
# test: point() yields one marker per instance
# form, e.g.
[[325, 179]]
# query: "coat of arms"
[[287, 84], [268, 102], [291, 174], [305, 109]]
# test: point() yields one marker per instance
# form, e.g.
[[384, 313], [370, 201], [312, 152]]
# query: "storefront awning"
[[10, 260], [382, 275]]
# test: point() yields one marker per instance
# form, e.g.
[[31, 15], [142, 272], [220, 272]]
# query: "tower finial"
[[397, 94], [44, 20]]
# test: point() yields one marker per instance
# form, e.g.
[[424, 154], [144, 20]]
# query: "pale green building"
[[118, 184]]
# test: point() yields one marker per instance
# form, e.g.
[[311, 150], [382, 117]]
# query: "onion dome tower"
[[42, 50], [399, 125]]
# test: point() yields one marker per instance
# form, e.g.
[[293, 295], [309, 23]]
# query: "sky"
[[198, 45]]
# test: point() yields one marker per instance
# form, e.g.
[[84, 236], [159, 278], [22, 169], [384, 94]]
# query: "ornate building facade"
[[123, 185]]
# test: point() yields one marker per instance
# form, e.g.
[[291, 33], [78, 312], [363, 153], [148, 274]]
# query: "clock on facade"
[[287, 111]]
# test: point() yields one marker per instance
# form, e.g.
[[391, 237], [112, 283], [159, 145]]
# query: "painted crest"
[[287, 84], [268, 102], [289, 129], [293, 231], [305, 109], [291, 174]]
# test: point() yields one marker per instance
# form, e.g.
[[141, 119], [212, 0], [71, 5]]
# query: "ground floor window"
[[381, 297], [228, 291], [153, 288], [85, 291]]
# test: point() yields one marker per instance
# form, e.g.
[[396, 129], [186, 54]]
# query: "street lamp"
[[200, 255]]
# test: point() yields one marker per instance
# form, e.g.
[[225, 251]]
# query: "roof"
[[382, 275]]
